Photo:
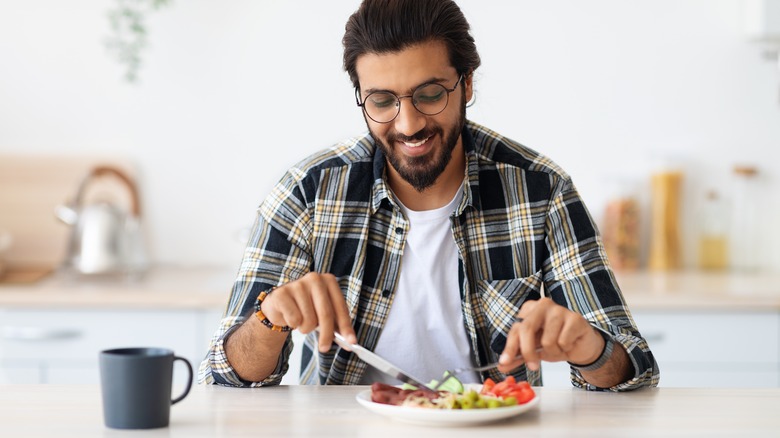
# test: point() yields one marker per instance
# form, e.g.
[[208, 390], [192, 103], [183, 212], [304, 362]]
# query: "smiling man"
[[432, 240]]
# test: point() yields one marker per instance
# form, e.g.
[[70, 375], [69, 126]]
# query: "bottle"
[[745, 238], [713, 234], [665, 243]]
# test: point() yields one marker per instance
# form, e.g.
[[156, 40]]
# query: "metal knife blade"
[[380, 363]]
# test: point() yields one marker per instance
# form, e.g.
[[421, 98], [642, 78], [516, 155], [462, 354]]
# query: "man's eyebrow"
[[433, 80]]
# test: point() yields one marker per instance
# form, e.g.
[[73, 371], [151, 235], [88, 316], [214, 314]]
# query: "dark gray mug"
[[136, 385]]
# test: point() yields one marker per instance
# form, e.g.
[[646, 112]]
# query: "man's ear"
[[468, 85]]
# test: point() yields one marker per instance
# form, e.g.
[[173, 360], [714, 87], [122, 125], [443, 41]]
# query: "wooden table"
[[211, 411]]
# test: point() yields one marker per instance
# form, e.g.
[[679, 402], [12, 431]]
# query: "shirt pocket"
[[500, 301]]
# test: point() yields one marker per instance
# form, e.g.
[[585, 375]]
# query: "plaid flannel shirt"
[[521, 229]]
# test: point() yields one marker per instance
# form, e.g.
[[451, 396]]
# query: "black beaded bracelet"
[[261, 316], [609, 345]]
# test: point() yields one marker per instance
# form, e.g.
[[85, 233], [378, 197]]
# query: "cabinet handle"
[[38, 334]]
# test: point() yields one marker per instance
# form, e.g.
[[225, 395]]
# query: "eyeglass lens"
[[429, 99]]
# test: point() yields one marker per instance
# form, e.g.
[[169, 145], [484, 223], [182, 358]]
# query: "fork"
[[452, 373]]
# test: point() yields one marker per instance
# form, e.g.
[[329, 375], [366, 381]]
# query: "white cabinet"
[[62, 345], [714, 348], [556, 375], [704, 348], [293, 373]]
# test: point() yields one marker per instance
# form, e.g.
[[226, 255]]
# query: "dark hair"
[[386, 26]]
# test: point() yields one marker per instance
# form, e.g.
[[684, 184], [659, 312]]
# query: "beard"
[[422, 172]]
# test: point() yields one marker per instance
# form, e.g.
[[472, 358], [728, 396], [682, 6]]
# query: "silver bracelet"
[[609, 345]]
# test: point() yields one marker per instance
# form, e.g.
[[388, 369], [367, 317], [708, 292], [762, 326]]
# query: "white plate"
[[444, 417]]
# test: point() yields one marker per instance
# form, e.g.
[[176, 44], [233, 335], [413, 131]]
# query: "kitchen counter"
[[163, 287], [209, 287], [700, 290], [210, 411]]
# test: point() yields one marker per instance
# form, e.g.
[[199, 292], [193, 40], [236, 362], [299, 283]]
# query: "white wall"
[[606, 88]]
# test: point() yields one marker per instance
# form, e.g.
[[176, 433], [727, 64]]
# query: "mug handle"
[[189, 381]]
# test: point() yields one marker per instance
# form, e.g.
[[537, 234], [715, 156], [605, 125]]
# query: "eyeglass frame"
[[398, 98]]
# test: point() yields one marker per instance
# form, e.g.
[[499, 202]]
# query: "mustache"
[[419, 135]]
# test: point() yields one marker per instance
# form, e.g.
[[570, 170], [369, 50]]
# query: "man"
[[431, 240]]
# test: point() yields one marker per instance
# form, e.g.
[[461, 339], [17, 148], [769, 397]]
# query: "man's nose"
[[409, 121]]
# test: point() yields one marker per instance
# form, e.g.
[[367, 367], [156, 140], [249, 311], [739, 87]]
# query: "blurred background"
[[229, 94], [170, 121]]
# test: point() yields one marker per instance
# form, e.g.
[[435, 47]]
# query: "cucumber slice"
[[451, 384]]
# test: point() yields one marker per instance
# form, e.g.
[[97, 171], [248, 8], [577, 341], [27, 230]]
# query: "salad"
[[452, 395]]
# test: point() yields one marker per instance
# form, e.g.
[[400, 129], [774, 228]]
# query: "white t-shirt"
[[425, 333]]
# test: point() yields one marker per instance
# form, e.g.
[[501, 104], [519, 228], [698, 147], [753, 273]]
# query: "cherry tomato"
[[509, 387], [487, 386]]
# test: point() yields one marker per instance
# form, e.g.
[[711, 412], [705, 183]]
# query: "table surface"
[[283, 411]]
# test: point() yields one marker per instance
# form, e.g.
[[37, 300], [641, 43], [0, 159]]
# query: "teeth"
[[414, 145]]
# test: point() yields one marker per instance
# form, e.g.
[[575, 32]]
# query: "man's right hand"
[[313, 301]]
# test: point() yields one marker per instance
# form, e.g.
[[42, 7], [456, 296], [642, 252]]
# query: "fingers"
[[322, 317], [341, 312], [548, 331], [529, 332], [332, 313], [313, 301], [551, 334], [507, 361]]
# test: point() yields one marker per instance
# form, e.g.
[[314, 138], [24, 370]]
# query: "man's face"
[[418, 146]]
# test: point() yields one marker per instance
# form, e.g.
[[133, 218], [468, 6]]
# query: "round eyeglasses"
[[384, 106]]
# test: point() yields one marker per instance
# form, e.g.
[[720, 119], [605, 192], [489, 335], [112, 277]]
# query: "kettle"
[[104, 238]]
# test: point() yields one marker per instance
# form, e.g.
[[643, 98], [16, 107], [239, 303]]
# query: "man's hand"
[[554, 333], [561, 334], [315, 300]]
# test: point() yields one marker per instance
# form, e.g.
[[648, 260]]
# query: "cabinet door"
[[19, 372], [63, 345], [293, 373], [691, 349], [674, 375], [556, 375], [715, 349]]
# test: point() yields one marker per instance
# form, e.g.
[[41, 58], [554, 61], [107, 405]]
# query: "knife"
[[380, 363]]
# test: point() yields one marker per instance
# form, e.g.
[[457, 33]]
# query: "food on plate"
[[393, 395], [509, 387], [449, 383], [492, 395]]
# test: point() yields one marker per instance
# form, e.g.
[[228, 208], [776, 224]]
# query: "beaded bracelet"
[[609, 345], [261, 316]]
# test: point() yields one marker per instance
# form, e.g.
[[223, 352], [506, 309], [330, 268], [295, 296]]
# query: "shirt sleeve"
[[277, 253], [578, 276], [215, 368]]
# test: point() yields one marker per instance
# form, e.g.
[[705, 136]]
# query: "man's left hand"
[[550, 332]]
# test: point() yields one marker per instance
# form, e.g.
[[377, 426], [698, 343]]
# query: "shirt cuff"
[[222, 373]]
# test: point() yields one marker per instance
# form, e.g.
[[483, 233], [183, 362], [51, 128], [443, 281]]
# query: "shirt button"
[[399, 230], [386, 293]]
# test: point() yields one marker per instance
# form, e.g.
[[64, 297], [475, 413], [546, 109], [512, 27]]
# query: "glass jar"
[[714, 233], [745, 238], [620, 230]]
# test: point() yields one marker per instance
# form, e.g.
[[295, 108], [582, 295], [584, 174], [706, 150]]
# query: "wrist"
[[601, 360], [264, 319]]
